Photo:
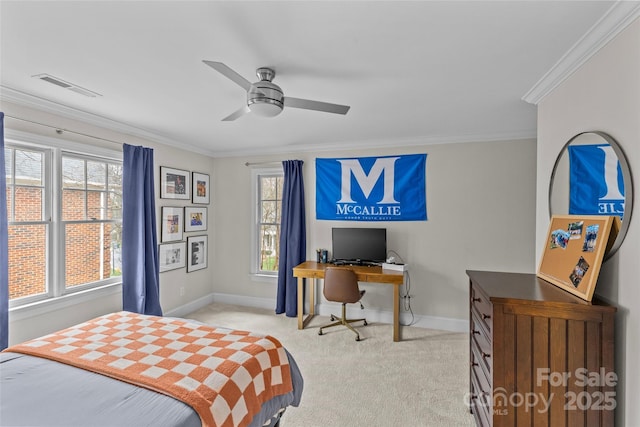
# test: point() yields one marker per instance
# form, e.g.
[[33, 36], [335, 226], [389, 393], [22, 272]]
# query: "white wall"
[[480, 203], [604, 94], [44, 318]]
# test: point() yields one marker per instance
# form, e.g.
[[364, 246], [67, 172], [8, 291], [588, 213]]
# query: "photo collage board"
[[574, 251], [176, 252]]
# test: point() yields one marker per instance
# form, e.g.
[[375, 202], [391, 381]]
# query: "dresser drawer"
[[481, 304], [481, 347], [480, 403], [479, 372]]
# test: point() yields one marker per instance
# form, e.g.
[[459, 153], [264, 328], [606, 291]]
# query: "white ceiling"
[[412, 72]]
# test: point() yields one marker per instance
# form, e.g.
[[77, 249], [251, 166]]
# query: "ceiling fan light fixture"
[[265, 107], [265, 99]]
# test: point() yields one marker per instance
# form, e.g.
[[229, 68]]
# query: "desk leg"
[[302, 321], [312, 298], [300, 302], [396, 312]]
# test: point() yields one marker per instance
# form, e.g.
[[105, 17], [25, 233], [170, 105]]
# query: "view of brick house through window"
[[82, 237], [270, 193]]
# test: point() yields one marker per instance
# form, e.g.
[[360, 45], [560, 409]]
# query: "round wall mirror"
[[609, 175]]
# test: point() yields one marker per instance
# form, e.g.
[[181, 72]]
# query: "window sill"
[[52, 304], [266, 278]]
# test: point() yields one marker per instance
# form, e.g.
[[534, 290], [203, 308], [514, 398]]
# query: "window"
[[268, 195], [29, 226], [65, 221]]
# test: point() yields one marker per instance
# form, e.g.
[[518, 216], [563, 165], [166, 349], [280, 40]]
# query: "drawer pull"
[[474, 364], [476, 299], [486, 316], [486, 355], [475, 332]]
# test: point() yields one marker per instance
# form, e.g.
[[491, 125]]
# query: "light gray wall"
[[604, 94], [480, 203]]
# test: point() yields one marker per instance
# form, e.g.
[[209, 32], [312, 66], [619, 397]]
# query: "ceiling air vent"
[[66, 85]]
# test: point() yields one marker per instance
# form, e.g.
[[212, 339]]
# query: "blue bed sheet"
[[39, 392]]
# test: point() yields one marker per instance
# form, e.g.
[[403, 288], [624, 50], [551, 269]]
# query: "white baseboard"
[[183, 310], [190, 307], [326, 309], [381, 316], [266, 303]]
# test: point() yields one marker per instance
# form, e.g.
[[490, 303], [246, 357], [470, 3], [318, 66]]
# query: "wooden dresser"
[[539, 355]]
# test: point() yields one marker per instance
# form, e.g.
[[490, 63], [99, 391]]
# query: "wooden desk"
[[315, 270]]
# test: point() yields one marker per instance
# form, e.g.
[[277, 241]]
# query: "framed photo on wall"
[[172, 256], [174, 183], [172, 220], [201, 188], [574, 250], [196, 253], [195, 218]]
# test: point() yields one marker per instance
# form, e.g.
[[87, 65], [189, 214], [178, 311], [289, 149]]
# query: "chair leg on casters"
[[344, 321], [348, 325], [339, 322], [347, 322]]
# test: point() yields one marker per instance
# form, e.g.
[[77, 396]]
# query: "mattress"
[[36, 391]]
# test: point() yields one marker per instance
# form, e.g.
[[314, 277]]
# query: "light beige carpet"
[[420, 381]]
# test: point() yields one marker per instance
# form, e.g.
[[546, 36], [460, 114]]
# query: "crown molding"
[[31, 101], [525, 135], [617, 18]]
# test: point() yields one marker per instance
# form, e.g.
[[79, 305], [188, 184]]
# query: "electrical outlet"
[[181, 291]]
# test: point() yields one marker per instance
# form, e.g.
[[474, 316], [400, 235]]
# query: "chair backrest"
[[341, 285]]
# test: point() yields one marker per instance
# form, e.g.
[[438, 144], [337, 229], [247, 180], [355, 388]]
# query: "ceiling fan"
[[265, 98]]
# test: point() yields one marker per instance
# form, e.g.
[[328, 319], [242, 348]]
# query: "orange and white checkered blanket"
[[225, 375]]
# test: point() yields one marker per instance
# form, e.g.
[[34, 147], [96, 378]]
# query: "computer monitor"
[[359, 244]]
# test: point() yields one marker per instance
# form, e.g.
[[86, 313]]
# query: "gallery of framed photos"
[[574, 251], [174, 251]]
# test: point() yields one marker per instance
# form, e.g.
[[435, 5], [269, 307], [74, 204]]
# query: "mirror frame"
[[626, 177]]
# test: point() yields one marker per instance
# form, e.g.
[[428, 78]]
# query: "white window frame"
[[256, 174], [57, 294], [61, 223]]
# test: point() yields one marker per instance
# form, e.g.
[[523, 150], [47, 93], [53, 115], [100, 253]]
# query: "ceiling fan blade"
[[315, 105], [236, 114], [229, 73]]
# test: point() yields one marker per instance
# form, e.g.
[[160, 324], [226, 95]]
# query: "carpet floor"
[[421, 381]]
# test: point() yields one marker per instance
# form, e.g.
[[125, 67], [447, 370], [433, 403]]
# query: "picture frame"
[[197, 249], [195, 218], [574, 251], [171, 224], [172, 256], [201, 189], [174, 183]]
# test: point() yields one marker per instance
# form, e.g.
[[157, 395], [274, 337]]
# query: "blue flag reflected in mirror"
[[596, 184]]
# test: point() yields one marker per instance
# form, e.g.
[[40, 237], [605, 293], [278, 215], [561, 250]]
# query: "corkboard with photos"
[[574, 250]]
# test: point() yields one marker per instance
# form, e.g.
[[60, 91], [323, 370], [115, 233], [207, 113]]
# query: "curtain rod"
[[262, 163], [60, 130]]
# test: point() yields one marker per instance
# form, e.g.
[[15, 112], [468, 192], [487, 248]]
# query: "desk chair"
[[341, 285]]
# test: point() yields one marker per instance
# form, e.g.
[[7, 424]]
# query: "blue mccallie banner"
[[389, 188], [596, 186]]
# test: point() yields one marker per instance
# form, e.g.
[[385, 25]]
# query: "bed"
[[126, 369]]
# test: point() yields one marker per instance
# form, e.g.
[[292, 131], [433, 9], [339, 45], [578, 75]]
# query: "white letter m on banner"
[[366, 182]]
